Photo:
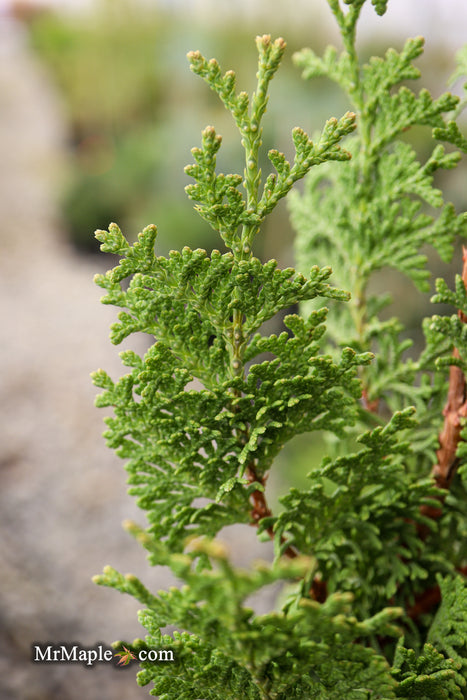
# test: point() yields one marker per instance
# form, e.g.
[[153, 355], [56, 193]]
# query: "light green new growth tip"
[[367, 550]]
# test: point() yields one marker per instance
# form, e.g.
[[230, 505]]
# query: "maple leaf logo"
[[127, 657]]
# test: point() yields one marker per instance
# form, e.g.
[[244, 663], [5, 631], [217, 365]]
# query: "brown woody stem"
[[454, 411], [318, 589], [368, 405], [261, 509], [445, 469]]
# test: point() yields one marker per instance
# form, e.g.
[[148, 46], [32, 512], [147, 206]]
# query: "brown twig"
[[443, 472], [447, 463], [370, 405], [426, 600], [261, 509], [318, 589], [445, 468], [454, 411]]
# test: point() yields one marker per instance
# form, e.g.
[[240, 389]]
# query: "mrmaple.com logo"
[[74, 653]]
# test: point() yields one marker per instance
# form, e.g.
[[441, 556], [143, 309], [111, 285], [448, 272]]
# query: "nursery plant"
[[372, 554]]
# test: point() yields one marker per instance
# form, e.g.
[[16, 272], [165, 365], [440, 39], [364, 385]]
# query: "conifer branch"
[[454, 412], [198, 459], [318, 588], [262, 510]]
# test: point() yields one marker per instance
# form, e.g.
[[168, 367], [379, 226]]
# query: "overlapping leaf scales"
[[201, 416], [263, 290], [291, 653], [199, 671], [269, 54], [296, 347], [197, 668], [183, 443], [307, 154], [187, 300], [402, 174], [456, 297], [402, 227], [389, 230], [375, 202], [136, 258], [392, 376], [174, 456], [296, 391], [379, 5], [445, 332], [112, 241], [379, 75], [354, 516], [333, 65], [452, 134], [223, 85], [219, 201], [427, 675], [448, 632], [403, 109]]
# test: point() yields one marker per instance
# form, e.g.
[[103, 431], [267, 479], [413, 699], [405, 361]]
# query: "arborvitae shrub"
[[374, 550]]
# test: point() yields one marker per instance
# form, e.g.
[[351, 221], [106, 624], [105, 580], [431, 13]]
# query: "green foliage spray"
[[373, 550]]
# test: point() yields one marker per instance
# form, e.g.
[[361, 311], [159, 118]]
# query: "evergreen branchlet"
[[372, 555]]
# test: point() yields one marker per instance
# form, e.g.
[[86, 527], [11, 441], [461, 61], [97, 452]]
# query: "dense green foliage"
[[372, 553]]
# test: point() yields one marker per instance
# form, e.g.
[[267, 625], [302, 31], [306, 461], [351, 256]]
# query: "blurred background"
[[98, 113]]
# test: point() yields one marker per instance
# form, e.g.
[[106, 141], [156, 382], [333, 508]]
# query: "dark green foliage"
[[449, 629], [358, 518], [429, 675], [184, 444], [449, 331], [202, 416]]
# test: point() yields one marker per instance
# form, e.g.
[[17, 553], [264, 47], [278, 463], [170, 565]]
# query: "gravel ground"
[[63, 493]]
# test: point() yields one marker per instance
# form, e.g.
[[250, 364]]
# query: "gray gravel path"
[[63, 495]]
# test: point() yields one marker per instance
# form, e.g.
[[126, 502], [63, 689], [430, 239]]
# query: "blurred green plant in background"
[[126, 89], [110, 69]]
